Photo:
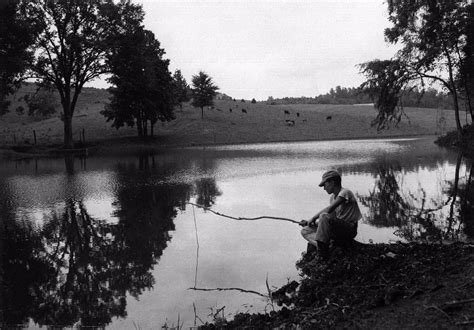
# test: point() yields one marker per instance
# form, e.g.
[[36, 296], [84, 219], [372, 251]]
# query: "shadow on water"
[[450, 217], [77, 269]]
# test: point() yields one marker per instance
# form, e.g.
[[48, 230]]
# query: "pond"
[[116, 242]]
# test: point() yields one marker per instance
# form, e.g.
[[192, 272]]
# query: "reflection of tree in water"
[[62, 272], [206, 192], [388, 207], [461, 215], [21, 266], [467, 206], [78, 268]]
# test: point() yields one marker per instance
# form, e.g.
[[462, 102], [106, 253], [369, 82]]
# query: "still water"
[[114, 241]]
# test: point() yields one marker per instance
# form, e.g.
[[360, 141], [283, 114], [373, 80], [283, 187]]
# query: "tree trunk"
[[151, 128], [469, 105], [139, 128], [68, 140], [455, 97], [202, 112]]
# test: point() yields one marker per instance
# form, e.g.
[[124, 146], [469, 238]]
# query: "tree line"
[[64, 44], [429, 98]]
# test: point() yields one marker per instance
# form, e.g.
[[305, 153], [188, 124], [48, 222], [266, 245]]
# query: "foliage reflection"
[[76, 268], [416, 218]]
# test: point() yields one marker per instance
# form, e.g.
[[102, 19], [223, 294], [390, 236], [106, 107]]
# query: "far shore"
[[132, 146], [226, 123]]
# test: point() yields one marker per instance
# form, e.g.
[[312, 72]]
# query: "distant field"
[[226, 123]]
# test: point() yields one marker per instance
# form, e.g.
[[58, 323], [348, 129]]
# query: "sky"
[[261, 48]]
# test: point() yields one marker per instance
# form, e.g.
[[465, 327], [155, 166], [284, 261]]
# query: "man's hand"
[[304, 223]]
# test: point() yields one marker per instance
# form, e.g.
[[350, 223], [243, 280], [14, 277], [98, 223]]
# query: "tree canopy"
[[433, 36], [142, 89], [16, 37], [72, 41], [181, 88], [203, 91]]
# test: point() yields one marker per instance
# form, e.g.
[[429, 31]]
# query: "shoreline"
[[130, 145]]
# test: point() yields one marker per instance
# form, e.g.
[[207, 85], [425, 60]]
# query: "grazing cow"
[[230, 109], [290, 122], [328, 117], [244, 111], [287, 112], [297, 114]]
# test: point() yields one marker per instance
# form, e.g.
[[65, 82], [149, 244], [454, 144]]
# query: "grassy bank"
[[225, 123]]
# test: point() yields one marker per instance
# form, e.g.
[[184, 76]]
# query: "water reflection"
[[461, 220], [414, 214], [78, 241], [77, 268]]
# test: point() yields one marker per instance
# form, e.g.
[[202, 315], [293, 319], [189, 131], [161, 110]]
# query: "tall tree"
[[203, 91], [432, 34], [181, 88], [71, 48], [143, 86], [16, 36], [467, 72]]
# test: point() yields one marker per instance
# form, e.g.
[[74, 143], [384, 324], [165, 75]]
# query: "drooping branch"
[[243, 218]]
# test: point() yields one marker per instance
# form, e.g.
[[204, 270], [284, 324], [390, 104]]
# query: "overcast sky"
[[256, 49]]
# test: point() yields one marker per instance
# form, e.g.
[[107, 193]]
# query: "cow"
[[290, 122], [287, 112], [328, 117], [230, 109], [297, 114], [244, 111]]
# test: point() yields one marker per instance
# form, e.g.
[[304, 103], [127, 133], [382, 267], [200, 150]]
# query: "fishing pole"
[[243, 218]]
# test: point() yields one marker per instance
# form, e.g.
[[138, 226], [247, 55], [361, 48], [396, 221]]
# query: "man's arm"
[[328, 209]]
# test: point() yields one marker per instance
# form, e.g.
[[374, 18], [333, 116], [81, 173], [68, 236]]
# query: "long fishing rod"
[[243, 218]]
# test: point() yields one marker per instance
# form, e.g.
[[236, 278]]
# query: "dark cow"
[[230, 109], [287, 112], [328, 117], [297, 114], [244, 111]]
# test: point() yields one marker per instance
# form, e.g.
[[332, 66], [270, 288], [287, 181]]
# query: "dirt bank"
[[377, 286]]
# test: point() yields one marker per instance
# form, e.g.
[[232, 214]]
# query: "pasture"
[[225, 123]]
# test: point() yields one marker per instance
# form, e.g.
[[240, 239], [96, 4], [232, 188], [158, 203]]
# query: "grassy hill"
[[223, 124]]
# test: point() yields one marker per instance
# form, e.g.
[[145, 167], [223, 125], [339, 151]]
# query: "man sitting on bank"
[[337, 221]]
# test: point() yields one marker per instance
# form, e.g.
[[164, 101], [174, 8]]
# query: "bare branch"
[[242, 218], [229, 289]]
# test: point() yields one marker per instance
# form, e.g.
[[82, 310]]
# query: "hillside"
[[223, 124]]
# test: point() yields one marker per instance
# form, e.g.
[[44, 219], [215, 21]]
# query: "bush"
[[42, 103]]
